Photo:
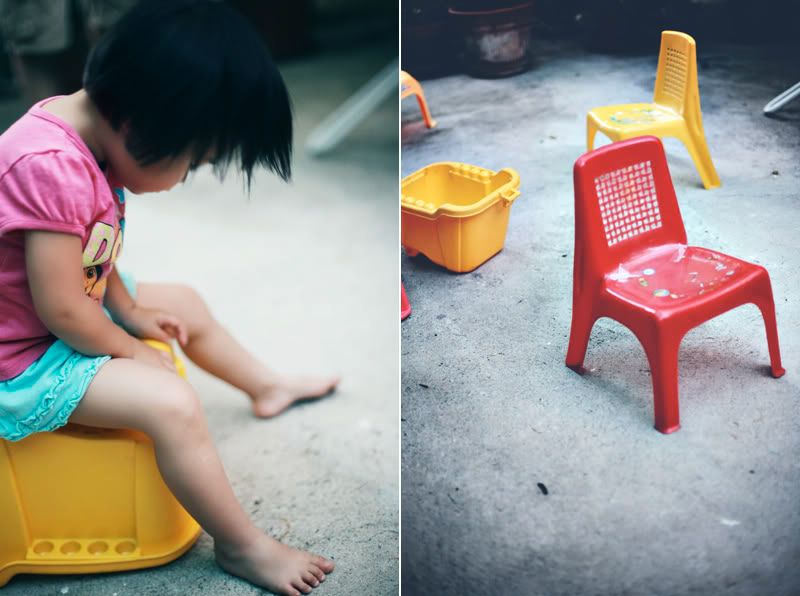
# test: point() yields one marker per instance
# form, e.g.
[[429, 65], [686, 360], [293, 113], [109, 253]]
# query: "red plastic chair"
[[405, 305], [632, 264]]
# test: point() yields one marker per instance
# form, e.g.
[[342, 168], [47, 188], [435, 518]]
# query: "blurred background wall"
[[292, 29], [437, 34]]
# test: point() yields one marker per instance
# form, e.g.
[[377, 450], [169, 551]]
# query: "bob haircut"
[[192, 76]]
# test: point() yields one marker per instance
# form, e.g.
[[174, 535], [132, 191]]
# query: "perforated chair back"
[[677, 70], [624, 201]]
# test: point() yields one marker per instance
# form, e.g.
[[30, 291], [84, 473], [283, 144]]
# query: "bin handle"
[[508, 196]]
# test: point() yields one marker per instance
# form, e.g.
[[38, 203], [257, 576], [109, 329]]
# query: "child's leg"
[[212, 348], [130, 394]]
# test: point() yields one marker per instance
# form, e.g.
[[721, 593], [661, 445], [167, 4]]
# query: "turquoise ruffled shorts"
[[43, 397]]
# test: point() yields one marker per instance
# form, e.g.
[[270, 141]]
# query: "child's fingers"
[[183, 333], [180, 333], [159, 333], [174, 326], [166, 359]]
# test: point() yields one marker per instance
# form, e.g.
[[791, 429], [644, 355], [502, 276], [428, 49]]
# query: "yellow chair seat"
[[87, 500], [634, 117]]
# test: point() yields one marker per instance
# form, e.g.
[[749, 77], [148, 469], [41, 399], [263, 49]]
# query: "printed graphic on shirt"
[[99, 256]]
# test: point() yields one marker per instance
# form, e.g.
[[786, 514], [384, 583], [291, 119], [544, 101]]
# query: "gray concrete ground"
[[491, 414], [306, 276]]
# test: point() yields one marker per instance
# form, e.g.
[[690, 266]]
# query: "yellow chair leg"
[[698, 150], [591, 131]]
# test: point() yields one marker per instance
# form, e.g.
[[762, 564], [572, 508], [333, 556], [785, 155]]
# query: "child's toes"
[[318, 573], [302, 586], [323, 563], [309, 578]]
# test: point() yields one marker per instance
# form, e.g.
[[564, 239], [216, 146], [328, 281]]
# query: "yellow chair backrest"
[[676, 78]]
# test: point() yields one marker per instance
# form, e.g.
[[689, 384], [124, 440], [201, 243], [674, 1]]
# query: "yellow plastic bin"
[[86, 500], [457, 214]]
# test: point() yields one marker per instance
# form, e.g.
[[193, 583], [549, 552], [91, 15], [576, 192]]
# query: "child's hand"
[[149, 355], [148, 323]]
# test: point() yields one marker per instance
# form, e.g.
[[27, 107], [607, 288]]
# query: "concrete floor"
[[492, 417], [306, 276]]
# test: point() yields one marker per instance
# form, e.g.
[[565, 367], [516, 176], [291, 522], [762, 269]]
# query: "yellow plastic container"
[[87, 500], [457, 214]]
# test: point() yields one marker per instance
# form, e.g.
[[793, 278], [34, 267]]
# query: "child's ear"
[[123, 133]]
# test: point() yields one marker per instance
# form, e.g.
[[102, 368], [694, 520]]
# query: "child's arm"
[[117, 300], [141, 322], [53, 264]]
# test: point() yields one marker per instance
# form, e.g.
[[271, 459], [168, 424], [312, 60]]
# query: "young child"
[[174, 85]]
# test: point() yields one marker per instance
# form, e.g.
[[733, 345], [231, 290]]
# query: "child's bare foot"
[[275, 566], [275, 398]]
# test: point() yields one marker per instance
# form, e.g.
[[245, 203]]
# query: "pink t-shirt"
[[49, 180]]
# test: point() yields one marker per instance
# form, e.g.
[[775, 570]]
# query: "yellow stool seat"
[[87, 500], [675, 111]]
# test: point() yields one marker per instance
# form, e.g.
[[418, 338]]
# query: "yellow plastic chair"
[[675, 111], [410, 86], [87, 500]]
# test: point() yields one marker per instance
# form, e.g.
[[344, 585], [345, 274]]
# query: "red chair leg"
[[405, 305], [582, 323], [662, 353], [766, 304]]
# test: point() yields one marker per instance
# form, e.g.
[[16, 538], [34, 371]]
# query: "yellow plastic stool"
[[87, 500], [410, 86], [456, 214], [675, 111]]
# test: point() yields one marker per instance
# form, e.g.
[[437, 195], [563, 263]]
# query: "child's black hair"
[[192, 75]]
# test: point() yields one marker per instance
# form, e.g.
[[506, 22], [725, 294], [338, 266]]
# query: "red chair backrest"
[[624, 202]]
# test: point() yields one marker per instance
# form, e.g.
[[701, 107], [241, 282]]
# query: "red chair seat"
[[675, 276]]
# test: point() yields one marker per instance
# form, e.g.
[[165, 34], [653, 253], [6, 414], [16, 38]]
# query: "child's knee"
[[194, 305], [178, 409]]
